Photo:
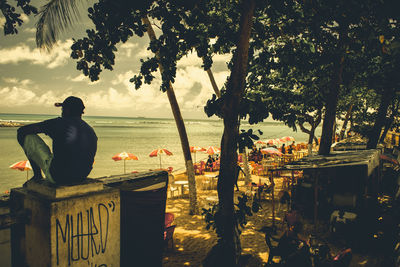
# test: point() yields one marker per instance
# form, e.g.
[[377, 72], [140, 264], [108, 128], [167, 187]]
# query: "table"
[[211, 178], [182, 184], [212, 200], [301, 153]]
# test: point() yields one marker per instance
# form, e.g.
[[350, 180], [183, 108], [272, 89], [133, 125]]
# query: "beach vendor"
[[74, 145]]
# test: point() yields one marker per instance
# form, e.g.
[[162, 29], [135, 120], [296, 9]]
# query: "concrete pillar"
[[69, 225], [5, 251]]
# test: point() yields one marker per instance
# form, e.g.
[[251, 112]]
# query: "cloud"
[[30, 30], [83, 78], [20, 53], [17, 81], [144, 53], [24, 17], [148, 101], [2, 22], [79, 78], [16, 96], [127, 48], [193, 87], [193, 60]]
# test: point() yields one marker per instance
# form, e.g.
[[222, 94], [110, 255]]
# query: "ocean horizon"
[[136, 135]]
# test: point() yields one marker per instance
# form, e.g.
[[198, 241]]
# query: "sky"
[[32, 80]]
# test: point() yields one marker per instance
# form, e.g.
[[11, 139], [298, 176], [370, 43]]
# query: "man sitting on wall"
[[74, 145]]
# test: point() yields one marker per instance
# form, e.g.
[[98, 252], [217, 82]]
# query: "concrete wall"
[[80, 230], [86, 231], [5, 249], [111, 221]]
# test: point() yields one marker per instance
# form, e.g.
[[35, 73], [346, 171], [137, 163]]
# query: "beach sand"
[[192, 241]]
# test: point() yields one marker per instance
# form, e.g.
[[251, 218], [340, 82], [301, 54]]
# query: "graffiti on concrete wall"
[[82, 235]]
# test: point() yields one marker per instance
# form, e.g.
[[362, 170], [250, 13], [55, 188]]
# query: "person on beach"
[[283, 149], [209, 163], [291, 148], [74, 145], [238, 170]]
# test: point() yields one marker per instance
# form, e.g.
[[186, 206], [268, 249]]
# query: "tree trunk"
[[247, 177], [228, 249], [389, 122], [330, 110], [346, 120], [246, 170], [213, 83], [386, 98], [193, 209], [314, 122]]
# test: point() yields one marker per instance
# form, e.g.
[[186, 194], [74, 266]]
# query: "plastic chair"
[[169, 169], [173, 189], [169, 218], [198, 169], [169, 236]]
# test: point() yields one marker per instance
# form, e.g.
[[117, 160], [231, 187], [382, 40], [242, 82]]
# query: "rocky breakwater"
[[10, 124]]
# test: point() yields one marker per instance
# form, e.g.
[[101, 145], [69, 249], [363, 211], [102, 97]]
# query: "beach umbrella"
[[273, 141], [24, 165], [160, 152], [259, 142], [271, 151], [194, 149], [287, 138], [124, 156], [211, 150]]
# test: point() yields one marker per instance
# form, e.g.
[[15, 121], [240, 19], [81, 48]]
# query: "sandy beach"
[[192, 241]]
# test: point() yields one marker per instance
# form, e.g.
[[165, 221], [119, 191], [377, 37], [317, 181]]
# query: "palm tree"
[[58, 15]]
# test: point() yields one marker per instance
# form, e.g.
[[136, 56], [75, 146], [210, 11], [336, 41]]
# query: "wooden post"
[[315, 202], [273, 199]]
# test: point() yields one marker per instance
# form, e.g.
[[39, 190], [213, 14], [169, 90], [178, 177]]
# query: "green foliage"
[[12, 16], [213, 217], [246, 139]]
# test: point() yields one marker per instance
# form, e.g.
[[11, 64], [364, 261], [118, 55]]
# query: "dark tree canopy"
[[12, 13]]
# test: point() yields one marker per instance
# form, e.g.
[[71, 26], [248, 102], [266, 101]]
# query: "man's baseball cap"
[[72, 103]]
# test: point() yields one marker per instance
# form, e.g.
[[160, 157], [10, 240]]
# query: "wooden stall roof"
[[337, 159]]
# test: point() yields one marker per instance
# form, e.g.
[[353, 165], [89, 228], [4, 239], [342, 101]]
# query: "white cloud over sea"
[[22, 53], [32, 80]]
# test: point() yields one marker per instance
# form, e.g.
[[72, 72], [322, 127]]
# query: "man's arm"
[[23, 131]]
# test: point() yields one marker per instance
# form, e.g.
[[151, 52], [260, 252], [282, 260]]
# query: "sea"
[[139, 136]]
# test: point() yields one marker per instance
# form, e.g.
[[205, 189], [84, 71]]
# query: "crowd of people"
[[256, 155]]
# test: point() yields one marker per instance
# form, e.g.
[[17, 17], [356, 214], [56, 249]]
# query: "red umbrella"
[[194, 149], [124, 156], [259, 142], [271, 150], [287, 138], [273, 141], [24, 165], [159, 152], [211, 150]]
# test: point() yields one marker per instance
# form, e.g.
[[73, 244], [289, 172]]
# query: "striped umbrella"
[[271, 150], [211, 150], [160, 152], [124, 156], [194, 149], [24, 165]]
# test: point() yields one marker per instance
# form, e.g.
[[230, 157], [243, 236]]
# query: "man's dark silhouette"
[[74, 145]]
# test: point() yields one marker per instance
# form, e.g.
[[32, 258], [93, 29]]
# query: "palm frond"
[[54, 17]]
